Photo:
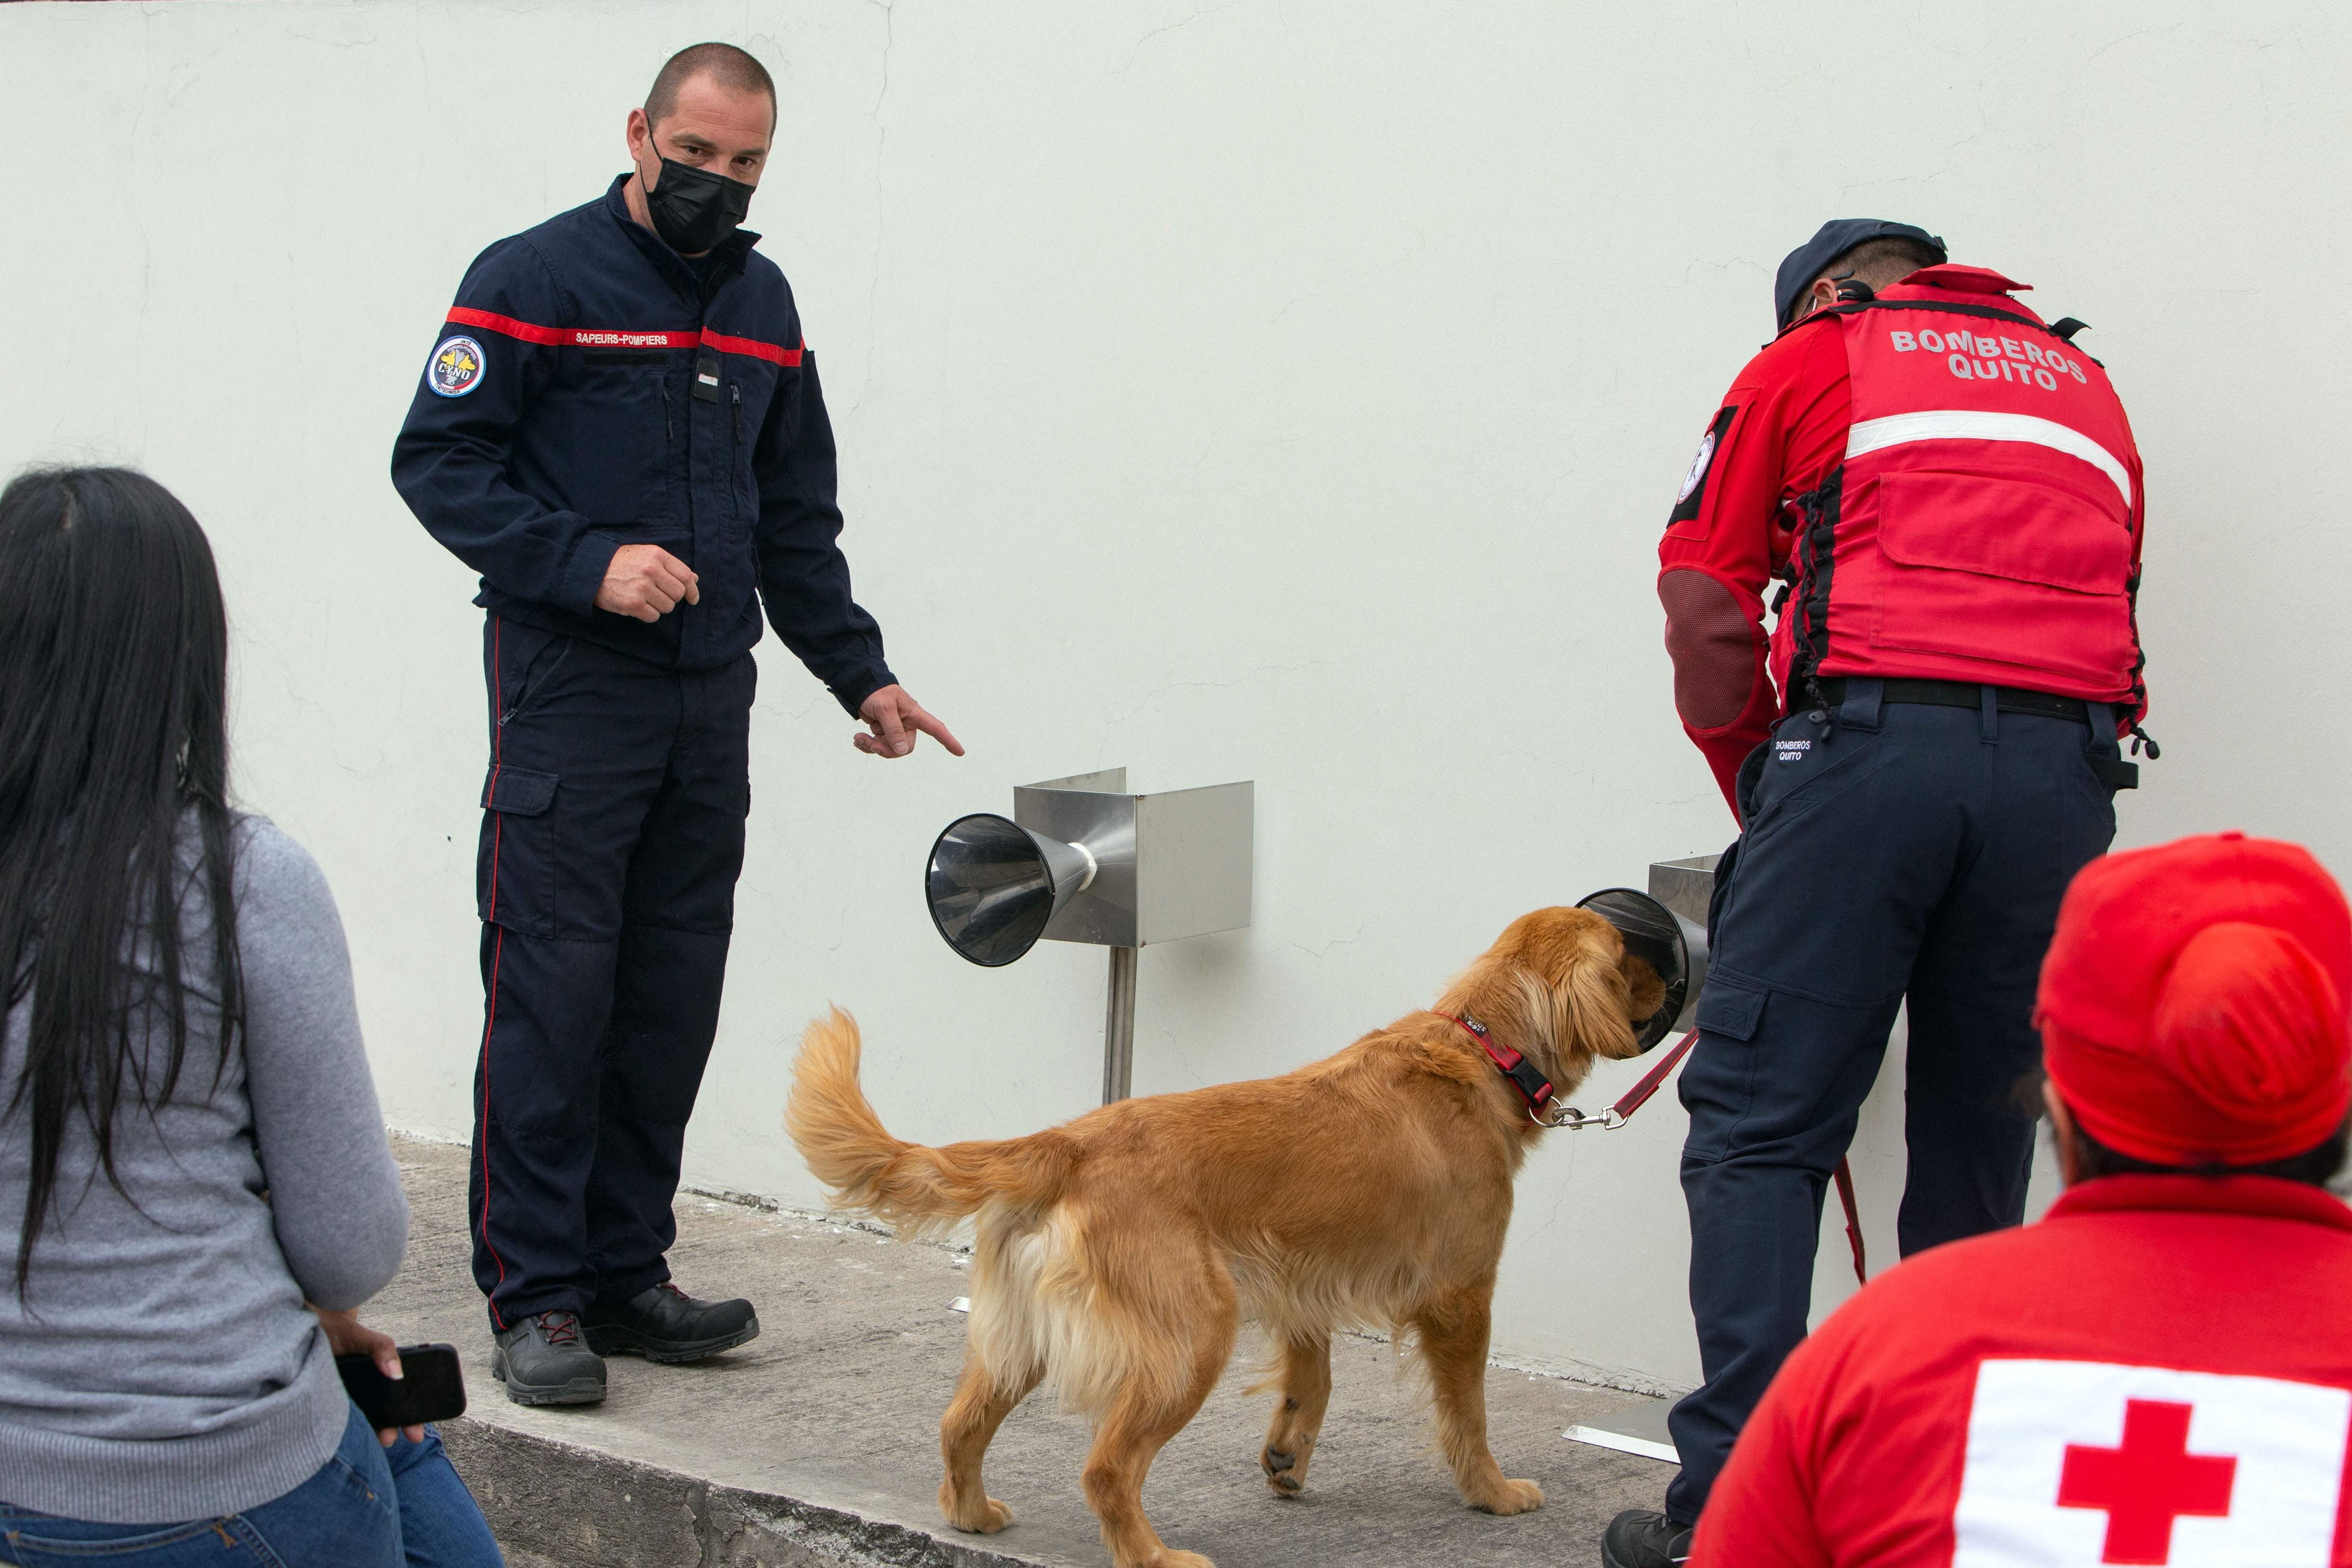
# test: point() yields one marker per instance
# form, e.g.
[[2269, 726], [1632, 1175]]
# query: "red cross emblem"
[[2072, 1464], [2148, 1482]]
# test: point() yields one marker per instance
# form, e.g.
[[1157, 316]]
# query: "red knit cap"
[[2194, 1005]]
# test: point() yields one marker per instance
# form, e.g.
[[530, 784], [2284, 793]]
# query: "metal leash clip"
[[1608, 1120], [1633, 1099]]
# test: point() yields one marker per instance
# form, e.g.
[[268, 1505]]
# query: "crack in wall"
[[1136, 52], [881, 150]]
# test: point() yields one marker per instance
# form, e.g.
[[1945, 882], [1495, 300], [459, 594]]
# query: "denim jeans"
[[367, 1506]]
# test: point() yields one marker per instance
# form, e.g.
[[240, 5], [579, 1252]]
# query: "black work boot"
[[1641, 1538], [541, 1362], [666, 1325]]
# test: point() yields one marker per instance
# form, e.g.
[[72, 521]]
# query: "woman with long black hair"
[[189, 1142]]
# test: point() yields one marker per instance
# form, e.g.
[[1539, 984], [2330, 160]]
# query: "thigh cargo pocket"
[[514, 872], [1718, 1082]]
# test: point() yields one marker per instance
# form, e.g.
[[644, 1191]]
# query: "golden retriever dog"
[[1116, 1254]]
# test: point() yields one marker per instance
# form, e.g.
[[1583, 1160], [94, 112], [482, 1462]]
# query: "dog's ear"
[[1583, 1007], [1598, 1003]]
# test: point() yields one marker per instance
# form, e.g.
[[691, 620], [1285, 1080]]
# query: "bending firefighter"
[[1921, 753]]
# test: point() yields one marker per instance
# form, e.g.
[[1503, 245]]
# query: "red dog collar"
[[1533, 1086]]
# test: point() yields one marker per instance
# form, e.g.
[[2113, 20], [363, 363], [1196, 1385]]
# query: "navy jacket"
[[589, 392]]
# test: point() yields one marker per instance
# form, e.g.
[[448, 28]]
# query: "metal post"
[[1119, 1028]]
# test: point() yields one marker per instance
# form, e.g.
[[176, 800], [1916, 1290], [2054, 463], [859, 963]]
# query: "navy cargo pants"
[[1897, 851], [612, 837]]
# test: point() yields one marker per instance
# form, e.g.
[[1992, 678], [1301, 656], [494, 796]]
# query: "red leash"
[[1853, 1218], [1515, 1068], [1639, 1095]]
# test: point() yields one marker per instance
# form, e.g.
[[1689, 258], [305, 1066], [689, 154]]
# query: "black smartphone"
[[430, 1388]]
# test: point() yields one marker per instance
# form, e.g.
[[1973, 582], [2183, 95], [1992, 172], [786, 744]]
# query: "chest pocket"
[[628, 426], [753, 386]]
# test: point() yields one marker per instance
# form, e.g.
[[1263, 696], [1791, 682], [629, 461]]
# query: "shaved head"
[[724, 64], [1882, 261]]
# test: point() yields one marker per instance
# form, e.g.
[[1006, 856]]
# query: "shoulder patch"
[[1698, 466], [1694, 490], [455, 368]]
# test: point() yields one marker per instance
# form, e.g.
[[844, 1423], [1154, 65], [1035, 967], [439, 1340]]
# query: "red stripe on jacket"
[[773, 353], [618, 337]]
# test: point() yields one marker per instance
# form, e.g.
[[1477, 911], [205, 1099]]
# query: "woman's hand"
[[346, 1335]]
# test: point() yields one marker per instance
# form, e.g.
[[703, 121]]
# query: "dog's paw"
[[1281, 1471], [1171, 1558], [989, 1518], [1512, 1497]]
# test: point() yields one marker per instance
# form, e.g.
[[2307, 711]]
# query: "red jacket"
[[2159, 1371], [1983, 527]]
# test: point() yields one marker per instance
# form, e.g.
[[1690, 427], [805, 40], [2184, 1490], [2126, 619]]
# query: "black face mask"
[[694, 209]]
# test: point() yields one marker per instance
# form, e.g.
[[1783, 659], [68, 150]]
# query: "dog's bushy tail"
[[914, 1189]]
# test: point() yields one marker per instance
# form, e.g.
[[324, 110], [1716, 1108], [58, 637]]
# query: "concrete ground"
[[818, 1443]]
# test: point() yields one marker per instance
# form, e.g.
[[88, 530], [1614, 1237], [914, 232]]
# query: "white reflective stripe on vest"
[[1977, 424]]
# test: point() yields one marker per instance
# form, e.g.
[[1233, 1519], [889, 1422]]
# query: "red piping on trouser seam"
[[497, 835]]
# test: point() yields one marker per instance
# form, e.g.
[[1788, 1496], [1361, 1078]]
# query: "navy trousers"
[[1895, 852], [612, 838]]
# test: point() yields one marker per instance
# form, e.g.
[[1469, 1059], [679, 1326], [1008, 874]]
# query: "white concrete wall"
[[1289, 389]]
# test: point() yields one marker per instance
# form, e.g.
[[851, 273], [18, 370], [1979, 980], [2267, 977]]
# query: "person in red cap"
[[1920, 751], [2160, 1370]]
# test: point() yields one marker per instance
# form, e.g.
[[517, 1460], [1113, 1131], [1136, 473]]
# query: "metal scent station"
[[1083, 860]]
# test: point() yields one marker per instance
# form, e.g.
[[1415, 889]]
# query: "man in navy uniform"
[[620, 428]]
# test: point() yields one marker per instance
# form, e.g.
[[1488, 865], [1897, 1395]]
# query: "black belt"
[[1960, 693]]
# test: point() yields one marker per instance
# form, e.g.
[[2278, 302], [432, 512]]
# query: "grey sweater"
[[163, 1366]]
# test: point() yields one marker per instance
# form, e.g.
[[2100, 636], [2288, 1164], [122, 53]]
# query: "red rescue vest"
[[1984, 526]]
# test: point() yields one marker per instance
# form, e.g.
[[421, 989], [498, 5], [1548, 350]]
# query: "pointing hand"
[[895, 717]]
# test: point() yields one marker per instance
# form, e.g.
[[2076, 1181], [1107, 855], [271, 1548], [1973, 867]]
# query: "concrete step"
[[818, 1443]]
